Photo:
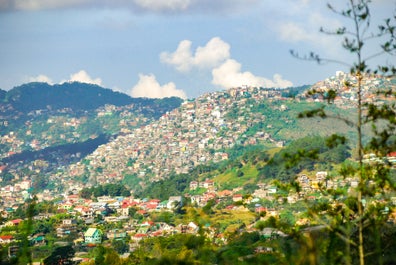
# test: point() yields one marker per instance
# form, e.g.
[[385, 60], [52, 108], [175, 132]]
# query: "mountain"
[[150, 140], [38, 120], [203, 131], [73, 95], [2, 94]]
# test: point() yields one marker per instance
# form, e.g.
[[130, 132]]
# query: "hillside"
[[41, 121], [2, 94], [76, 96], [215, 127], [203, 131]]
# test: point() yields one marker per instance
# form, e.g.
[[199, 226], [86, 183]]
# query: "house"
[[136, 238], [38, 240], [14, 222], [260, 209], [193, 185], [93, 236], [174, 201], [237, 197], [191, 228], [6, 239], [224, 193], [116, 234], [206, 184]]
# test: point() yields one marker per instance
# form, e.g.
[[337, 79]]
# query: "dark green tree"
[[60, 255]]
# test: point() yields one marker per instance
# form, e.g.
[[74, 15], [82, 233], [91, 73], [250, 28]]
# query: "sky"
[[163, 48]]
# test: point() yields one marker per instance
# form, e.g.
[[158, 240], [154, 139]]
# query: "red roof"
[[392, 154], [140, 235], [7, 237], [16, 221], [157, 233], [151, 206]]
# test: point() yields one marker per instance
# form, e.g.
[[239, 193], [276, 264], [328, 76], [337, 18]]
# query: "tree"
[[60, 255], [100, 252], [120, 246], [358, 217]]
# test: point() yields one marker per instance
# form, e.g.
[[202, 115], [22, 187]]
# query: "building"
[[93, 236]]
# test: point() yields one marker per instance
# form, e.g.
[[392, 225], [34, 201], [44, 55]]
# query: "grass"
[[230, 179], [232, 219]]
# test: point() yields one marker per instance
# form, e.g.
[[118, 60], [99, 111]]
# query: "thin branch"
[[374, 55], [312, 57]]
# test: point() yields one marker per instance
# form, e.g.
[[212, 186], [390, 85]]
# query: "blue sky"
[[160, 48]]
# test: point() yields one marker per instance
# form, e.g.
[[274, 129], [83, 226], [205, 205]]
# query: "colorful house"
[[93, 236]]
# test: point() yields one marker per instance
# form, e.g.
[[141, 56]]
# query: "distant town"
[[198, 132]]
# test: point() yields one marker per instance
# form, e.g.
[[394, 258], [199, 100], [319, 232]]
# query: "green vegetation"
[[253, 164], [105, 190], [307, 153], [355, 222]]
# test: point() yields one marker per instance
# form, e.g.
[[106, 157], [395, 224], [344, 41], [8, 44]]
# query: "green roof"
[[92, 231]]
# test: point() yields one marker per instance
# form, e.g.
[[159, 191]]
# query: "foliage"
[[75, 95], [303, 154], [354, 221], [176, 249], [60, 255], [105, 190]]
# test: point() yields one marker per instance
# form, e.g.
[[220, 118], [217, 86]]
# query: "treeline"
[[105, 190], [78, 96]]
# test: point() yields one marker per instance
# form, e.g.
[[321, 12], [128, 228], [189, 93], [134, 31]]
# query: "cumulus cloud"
[[83, 77], [212, 54], [157, 6], [229, 75], [41, 78], [216, 56], [149, 87]]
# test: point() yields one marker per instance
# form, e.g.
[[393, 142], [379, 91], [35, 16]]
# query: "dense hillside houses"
[[196, 133], [345, 85], [93, 221]]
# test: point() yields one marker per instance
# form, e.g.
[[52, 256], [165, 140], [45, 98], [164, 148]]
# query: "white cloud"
[[229, 75], [41, 78], [181, 58], [149, 87], [32, 5], [156, 6], [215, 56], [301, 21], [211, 55], [83, 77], [159, 5]]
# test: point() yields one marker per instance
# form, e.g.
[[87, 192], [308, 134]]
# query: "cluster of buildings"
[[196, 133], [64, 126], [134, 218], [346, 86]]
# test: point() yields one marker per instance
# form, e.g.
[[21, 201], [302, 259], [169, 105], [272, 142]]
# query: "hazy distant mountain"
[[36, 117], [2, 94], [75, 96]]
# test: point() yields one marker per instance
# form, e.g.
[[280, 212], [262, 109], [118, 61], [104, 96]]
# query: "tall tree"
[[353, 217]]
